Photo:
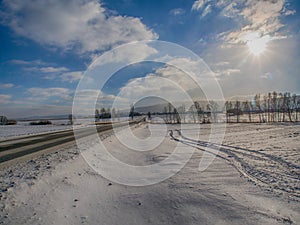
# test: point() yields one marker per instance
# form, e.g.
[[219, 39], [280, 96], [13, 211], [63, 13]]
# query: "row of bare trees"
[[272, 107], [105, 113], [198, 112]]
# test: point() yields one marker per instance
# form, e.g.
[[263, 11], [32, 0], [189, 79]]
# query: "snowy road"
[[13, 149], [61, 188]]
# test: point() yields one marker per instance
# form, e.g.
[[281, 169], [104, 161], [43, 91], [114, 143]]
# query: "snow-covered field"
[[253, 180], [24, 128]]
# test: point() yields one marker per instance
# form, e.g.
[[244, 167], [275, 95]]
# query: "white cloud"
[[222, 3], [150, 85], [177, 12], [53, 69], [42, 94], [47, 70], [82, 25], [5, 86], [275, 69], [229, 8], [204, 6], [206, 11], [38, 66], [289, 12], [188, 80], [267, 76], [31, 109], [226, 72], [4, 98], [130, 53], [24, 62], [224, 69], [198, 4], [222, 63], [85, 101], [260, 17], [71, 76], [51, 72], [87, 95]]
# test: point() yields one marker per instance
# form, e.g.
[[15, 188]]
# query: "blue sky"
[[251, 46]]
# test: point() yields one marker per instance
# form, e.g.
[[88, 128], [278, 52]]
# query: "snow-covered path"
[[72, 193], [263, 167]]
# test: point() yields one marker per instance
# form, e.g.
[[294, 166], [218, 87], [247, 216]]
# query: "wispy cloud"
[[6, 86], [177, 12], [171, 83], [53, 69], [43, 94], [26, 63], [4, 98], [249, 17], [224, 69], [206, 11], [226, 72], [205, 6], [199, 4], [258, 17], [71, 76], [82, 25], [48, 71], [289, 12]]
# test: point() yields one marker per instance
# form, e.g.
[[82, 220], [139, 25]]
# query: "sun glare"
[[257, 44]]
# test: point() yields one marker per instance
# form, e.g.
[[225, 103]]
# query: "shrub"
[[41, 122]]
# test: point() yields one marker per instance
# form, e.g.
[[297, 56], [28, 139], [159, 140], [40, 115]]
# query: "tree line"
[[262, 108], [271, 107], [198, 112], [105, 113]]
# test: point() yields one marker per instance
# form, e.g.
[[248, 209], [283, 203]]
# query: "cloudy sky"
[[47, 45]]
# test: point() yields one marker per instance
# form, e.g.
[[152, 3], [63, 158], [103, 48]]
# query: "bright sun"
[[256, 44]]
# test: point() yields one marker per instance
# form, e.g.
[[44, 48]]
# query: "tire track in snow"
[[277, 174]]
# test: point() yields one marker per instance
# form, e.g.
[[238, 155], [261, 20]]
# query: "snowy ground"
[[253, 180], [24, 128]]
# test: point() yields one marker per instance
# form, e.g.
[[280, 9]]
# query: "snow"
[[253, 180], [23, 128]]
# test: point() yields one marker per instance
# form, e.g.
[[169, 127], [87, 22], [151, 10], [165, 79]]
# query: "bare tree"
[[199, 111], [113, 114], [289, 105], [296, 102], [274, 105], [97, 115], [170, 110], [3, 120], [181, 112], [192, 111], [71, 119], [229, 110], [237, 110], [131, 113], [258, 106], [247, 106], [214, 110], [176, 115], [280, 108], [149, 115]]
